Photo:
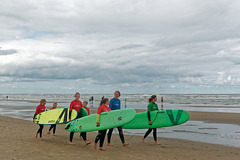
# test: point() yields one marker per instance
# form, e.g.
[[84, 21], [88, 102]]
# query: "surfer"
[[152, 106], [115, 104], [85, 103], [101, 134], [40, 108], [76, 104], [53, 126]]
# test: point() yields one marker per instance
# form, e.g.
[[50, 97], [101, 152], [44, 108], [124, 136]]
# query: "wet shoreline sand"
[[17, 141]]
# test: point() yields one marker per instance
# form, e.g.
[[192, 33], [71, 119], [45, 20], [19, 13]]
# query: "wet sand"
[[213, 117], [17, 141]]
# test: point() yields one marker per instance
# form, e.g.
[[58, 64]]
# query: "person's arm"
[[70, 112], [149, 110], [149, 118], [98, 116], [36, 112], [111, 104]]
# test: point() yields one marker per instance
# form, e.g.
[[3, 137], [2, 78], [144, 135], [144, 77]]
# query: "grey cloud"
[[7, 51], [131, 43]]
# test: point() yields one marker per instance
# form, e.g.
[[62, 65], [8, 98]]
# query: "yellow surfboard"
[[55, 116]]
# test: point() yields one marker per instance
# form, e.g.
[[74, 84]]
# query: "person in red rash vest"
[[40, 108], [53, 126], [85, 103], [76, 104], [101, 134]]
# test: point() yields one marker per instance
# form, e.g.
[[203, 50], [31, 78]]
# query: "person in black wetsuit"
[[53, 126], [152, 106], [101, 133]]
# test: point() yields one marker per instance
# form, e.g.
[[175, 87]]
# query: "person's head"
[[85, 103], [55, 105], [117, 94], [104, 101], [43, 102], [153, 99], [77, 96]]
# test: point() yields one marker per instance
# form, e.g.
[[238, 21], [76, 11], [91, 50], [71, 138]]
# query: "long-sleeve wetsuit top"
[[102, 108], [75, 104], [151, 107], [87, 110], [115, 104], [39, 109]]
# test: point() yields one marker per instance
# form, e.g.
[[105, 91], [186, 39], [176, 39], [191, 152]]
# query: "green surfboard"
[[159, 119], [55, 116], [83, 112], [107, 120]]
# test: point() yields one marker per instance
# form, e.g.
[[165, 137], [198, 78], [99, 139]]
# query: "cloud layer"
[[139, 46]]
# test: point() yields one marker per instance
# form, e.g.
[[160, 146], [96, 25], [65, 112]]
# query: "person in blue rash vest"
[[115, 104]]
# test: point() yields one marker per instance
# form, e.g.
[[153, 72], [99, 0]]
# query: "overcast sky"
[[135, 46]]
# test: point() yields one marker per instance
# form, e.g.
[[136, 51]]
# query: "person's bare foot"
[[125, 144], [71, 143], [54, 134], [102, 149], [48, 132], [110, 144], [36, 135], [41, 138], [95, 146], [157, 143], [87, 143], [143, 140]]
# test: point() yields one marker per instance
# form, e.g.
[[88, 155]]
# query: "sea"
[[22, 106]]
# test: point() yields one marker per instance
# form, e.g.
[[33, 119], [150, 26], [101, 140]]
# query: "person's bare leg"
[[156, 142], [125, 144], [95, 146], [102, 149], [36, 135], [71, 143], [110, 144], [87, 143]]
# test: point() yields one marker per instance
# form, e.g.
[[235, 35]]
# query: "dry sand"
[[17, 141]]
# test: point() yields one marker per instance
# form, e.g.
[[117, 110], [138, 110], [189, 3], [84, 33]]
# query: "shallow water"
[[216, 133]]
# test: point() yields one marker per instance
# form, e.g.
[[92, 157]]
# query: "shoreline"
[[18, 142]]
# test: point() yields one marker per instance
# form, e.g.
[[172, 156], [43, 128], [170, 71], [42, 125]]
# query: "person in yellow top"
[[152, 106]]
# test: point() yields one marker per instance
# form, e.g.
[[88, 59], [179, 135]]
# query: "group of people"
[[105, 106]]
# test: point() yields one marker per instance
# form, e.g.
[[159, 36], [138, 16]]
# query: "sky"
[[135, 46]]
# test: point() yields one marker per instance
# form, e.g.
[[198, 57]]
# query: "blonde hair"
[[54, 103], [43, 100], [77, 93], [86, 102]]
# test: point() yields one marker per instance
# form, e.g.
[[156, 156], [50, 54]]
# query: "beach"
[[18, 142]]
